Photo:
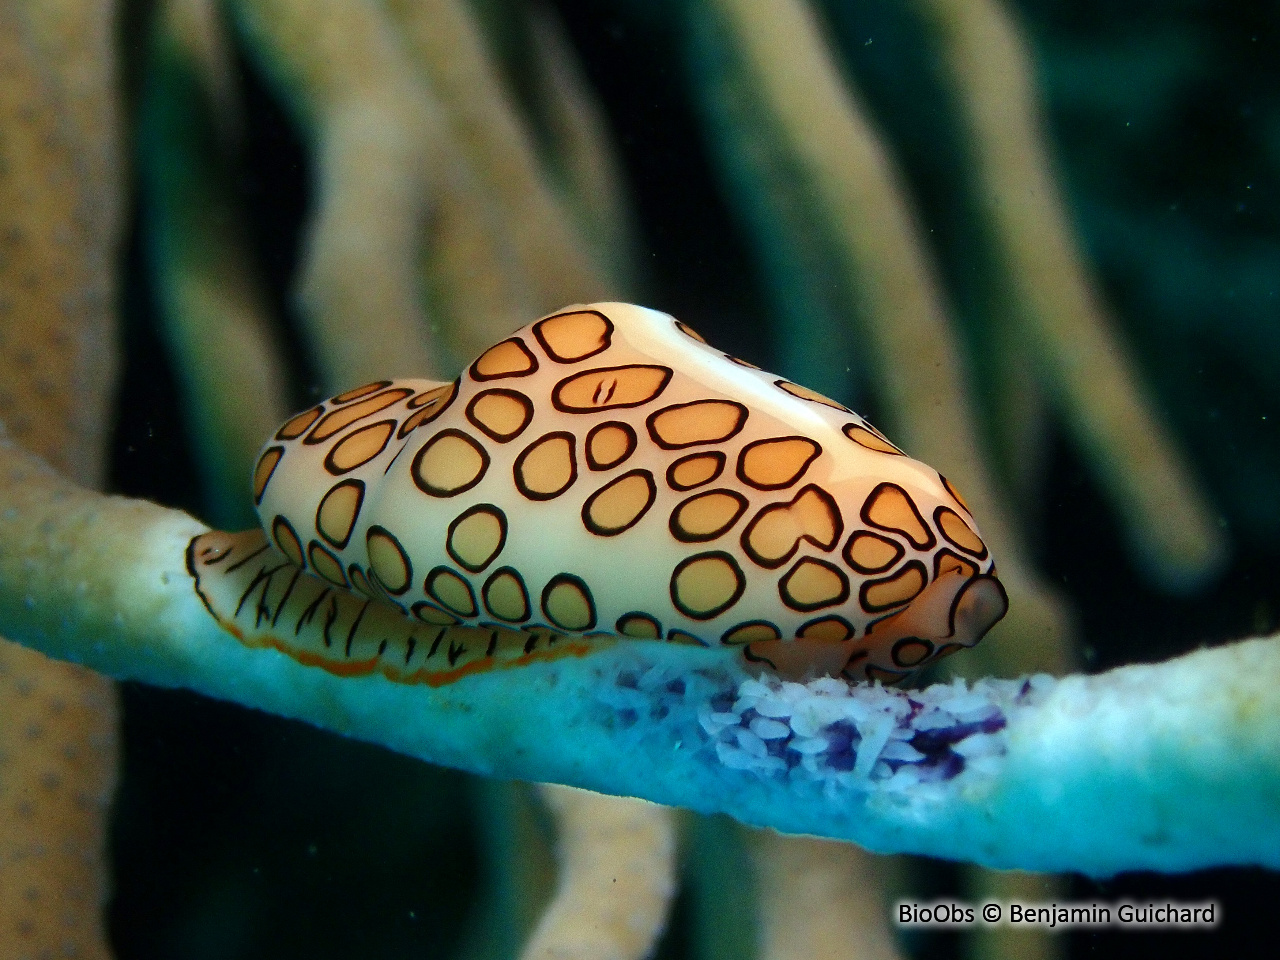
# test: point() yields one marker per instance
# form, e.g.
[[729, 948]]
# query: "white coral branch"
[[1172, 766]]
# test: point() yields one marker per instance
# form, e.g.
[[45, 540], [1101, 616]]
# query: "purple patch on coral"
[[842, 740], [941, 766], [933, 741], [722, 702]]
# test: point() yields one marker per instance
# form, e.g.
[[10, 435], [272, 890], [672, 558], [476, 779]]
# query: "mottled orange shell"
[[604, 472]]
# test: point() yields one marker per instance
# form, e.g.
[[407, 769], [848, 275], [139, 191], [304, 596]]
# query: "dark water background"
[[243, 835]]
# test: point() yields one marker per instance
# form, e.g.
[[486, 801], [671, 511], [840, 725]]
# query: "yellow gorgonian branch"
[[1054, 317], [617, 877], [216, 321], [343, 75], [794, 873], [60, 210]]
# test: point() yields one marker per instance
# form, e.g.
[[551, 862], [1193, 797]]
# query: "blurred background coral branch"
[[1037, 241], [61, 210]]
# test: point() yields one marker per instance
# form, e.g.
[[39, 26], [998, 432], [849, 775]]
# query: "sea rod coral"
[[60, 200], [1168, 767]]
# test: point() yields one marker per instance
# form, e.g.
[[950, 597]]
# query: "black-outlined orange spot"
[[428, 612], [263, 472], [889, 507], [510, 358], [695, 469], [574, 336], [547, 467], [774, 534], [869, 439], [476, 536], [829, 629], [297, 426], [752, 631], [639, 625], [618, 505], [567, 603], [326, 564], [610, 388], [609, 444], [958, 533], [889, 592], [336, 515], [910, 652], [338, 420], [388, 562], [706, 516], [505, 595], [450, 463], [500, 414], [360, 582], [700, 421], [804, 393], [427, 406], [869, 552], [359, 447], [688, 331], [451, 591], [705, 585], [286, 539], [776, 463], [359, 392], [432, 395], [812, 584]]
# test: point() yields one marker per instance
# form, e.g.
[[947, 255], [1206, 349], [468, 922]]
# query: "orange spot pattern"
[[586, 475]]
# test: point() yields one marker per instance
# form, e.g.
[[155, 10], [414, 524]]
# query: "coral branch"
[[60, 194], [344, 76], [75, 41], [1011, 942], [55, 263], [796, 873], [1056, 310], [580, 154], [496, 145], [216, 320], [518, 865], [617, 878], [57, 775], [1168, 767]]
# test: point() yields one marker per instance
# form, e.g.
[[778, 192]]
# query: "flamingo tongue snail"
[[602, 475]]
